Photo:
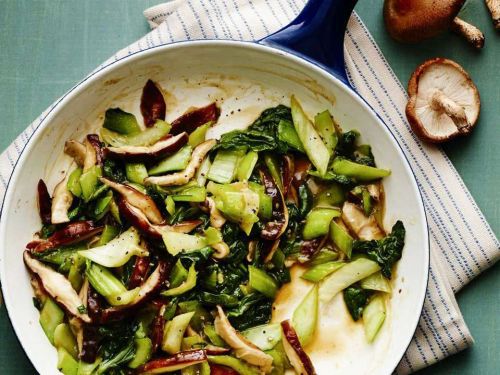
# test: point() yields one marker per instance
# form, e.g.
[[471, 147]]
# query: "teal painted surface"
[[47, 46]]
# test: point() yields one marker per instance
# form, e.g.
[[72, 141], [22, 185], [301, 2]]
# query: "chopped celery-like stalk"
[[280, 360], [89, 180], [192, 342], [120, 121], [75, 271], [360, 172], [326, 128], [273, 166], [213, 236], [178, 274], [367, 202], [187, 285], [64, 338], [262, 282], [109, 232], [88, 368], [179, 242], [202, 172], [224, 166], [102, 206], [146, 137], [103, 281], [265, 201], [143, 351], [239, 206], [320, 271], [73, 183], [66, 363], [108, 285], [50, 317], [265, 336], [136, 172], [170, 205], [115, 212], [191, 194], [172, 337], [347, 275], [198, 135], [305, 316], [288, 134], [376, 281], [246, 166], [323, 256], [373, 317], [209, 331], [341, 238], [240, 367], [175, 162], [333, 195], [118, 251], [314, 146], [318, 222], [201, 315]]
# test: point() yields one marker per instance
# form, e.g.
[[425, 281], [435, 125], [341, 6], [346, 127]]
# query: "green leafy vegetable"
[[387, 251], [263, 134], [356, 299]]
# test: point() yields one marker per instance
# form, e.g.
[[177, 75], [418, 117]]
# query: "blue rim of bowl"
[[282, 52]]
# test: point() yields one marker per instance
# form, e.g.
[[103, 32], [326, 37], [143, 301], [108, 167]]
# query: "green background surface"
[[48, 46]]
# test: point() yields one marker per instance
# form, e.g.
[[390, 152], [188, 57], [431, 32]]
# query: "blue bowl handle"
[[318, 34]]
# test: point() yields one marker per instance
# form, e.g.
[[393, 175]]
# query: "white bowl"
[[245, 78]]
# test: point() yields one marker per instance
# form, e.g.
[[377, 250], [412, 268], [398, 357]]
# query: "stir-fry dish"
[[163, 251]]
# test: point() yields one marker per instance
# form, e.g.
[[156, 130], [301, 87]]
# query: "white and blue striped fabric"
[[461, 247]]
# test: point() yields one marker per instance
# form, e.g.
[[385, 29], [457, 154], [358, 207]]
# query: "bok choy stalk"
[[108, 286], [118, 251], [318, 272], [146, 137], [185, 286], [359, 172], [323, 122], [347, 275], [265, 336], [224, 166], [174, 332], [374, 316], [120, 121], [311, 140], [318, 222], [305, 316]]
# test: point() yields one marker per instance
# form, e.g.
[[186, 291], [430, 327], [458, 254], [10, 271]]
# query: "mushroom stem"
[[440, 102], [494, 8], [470, 32]]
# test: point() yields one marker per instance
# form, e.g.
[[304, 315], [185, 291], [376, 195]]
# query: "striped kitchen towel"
[[461, 248]]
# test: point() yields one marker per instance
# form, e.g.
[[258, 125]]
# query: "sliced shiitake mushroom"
[[183, 177], [173, 363], [153, 105], [194, 118], [57, 286], [365, 228], [274, 228], [61, 202], [44, 202], [242, 348], [137, 199], [299, 359], [72, 233], [144, 154]]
